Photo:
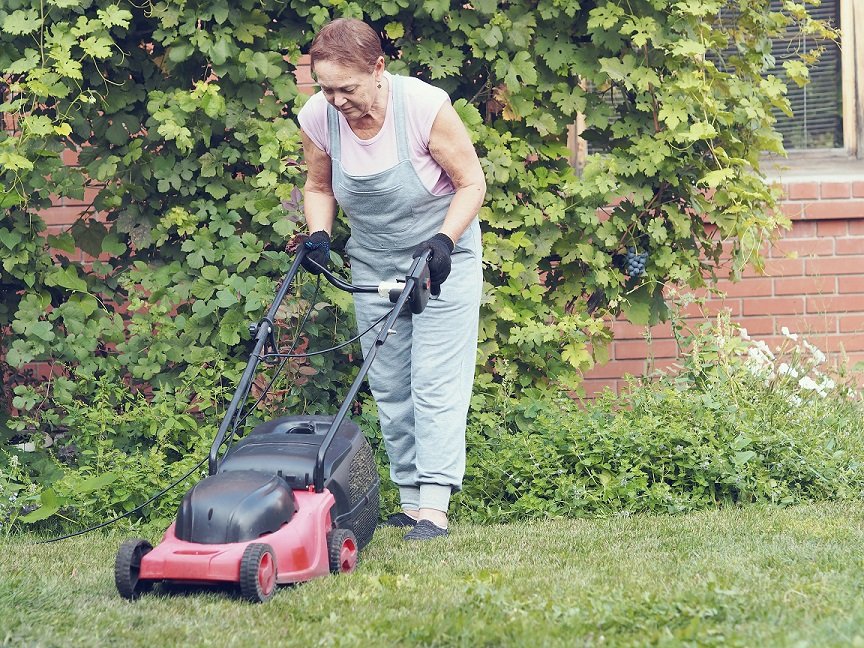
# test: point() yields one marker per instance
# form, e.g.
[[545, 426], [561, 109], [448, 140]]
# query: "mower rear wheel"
[[127, 567], [342, 551], [258, 573]]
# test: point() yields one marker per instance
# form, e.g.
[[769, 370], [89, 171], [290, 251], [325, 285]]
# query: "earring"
[[379, 84]]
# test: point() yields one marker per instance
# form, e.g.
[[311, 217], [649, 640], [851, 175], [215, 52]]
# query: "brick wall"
[[813, 284], [65, 211]]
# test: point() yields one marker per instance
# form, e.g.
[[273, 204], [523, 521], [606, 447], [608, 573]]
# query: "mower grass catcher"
[[295, 499]]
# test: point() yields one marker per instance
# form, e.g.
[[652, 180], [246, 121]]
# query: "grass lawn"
[[756, 576]]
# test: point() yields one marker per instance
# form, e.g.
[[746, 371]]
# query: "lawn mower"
[[295, 499]]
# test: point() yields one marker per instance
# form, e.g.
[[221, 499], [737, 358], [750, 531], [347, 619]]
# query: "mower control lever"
[[419, 296], [419, 291]]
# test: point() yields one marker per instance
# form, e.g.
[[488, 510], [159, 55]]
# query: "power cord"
[[239, 421], [127, 513]]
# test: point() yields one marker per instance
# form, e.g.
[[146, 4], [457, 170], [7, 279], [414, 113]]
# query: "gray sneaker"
[[399, 520], [425, 530]]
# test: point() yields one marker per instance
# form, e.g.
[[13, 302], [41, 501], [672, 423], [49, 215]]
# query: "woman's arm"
[[451, 147], [319, 205]]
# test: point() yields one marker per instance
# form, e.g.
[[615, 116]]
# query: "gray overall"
[[422, 377]]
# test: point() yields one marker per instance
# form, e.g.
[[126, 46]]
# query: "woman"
[[394, 155]]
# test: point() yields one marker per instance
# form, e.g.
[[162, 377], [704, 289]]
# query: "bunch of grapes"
[[634, 263]]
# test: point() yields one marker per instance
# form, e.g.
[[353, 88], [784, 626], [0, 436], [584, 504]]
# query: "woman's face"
[[350, 90]]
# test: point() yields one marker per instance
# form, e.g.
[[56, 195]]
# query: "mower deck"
[[300, 546]]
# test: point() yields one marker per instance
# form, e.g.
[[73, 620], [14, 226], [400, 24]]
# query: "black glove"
[[318, 250], [439, 265]]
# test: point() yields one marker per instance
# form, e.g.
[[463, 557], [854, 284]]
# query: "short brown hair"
[[349, 42]]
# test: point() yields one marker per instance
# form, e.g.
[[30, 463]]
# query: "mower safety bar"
[[264, 331], [416, 286], [418, 295], [415, 289]]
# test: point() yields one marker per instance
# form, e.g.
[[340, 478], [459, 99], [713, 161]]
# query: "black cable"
[[238, 421], [331, 349], [127, 513]]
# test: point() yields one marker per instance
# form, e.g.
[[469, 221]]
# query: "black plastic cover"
[[288, 447], [234, 507]]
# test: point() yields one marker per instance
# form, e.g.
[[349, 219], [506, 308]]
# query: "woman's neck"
[[370, 124]]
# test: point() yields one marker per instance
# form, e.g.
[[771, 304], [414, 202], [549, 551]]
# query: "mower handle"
[[389, 289], [263, 333], [417, 285], [416, 289]]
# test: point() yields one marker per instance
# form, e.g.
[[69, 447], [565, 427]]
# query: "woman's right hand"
[[317, 247], [441, 247]]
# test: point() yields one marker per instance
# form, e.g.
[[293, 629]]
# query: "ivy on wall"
[[182, 115]]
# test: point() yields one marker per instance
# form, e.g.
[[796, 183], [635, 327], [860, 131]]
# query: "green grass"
[[755, 576]]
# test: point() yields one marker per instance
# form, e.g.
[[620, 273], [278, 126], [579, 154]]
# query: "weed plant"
[[110, 456], [735, 422]]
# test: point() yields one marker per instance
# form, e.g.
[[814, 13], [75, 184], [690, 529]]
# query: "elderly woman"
[[393, 154]]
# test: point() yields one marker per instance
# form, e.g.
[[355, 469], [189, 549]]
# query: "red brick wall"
[[813, 285], [65, 211]]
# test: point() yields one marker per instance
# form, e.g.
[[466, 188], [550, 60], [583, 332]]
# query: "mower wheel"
[[127, 566], [342, 551], [258, 573]]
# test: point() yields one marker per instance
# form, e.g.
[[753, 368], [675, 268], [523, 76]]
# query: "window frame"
[[835, 164], [852, 64], [852, 89]]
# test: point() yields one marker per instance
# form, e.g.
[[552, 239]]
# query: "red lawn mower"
[[295, 499]]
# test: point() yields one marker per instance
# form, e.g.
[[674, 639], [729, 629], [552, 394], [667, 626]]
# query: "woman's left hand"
[[441, 247]]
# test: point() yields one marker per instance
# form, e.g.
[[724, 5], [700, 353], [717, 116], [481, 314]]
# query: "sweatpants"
[[423, 374]]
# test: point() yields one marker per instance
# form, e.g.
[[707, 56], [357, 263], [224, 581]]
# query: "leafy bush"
[[737, 423], [126, 447], [181, 117]]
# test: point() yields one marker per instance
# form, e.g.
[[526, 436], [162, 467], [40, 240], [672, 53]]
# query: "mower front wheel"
[[258, 573], [342, 551], [127, 567]]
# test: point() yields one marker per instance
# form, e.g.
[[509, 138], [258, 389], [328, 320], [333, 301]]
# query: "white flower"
[[786, 333], [808, 383], [757, 362], [743, 333], [761, 346], [785, 370], [795, 400], [818, 356]]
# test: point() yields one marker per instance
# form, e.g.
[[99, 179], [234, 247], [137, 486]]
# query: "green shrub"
[[110, 451], [736, 423], [183, 119]]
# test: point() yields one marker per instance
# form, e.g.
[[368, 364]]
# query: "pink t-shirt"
[[366, 157]]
